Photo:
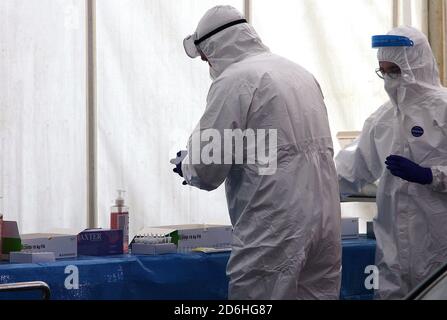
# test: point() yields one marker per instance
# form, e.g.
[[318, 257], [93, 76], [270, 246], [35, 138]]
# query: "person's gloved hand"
[[178, 164], [408, 170]]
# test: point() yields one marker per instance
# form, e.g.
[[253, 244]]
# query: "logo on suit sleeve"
[[417, 132]]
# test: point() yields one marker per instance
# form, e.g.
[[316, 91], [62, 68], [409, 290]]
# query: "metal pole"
[[445, 43], [247, 10], [396, 13], [437, 34], [406, 13], [91, 116], [28, 286]]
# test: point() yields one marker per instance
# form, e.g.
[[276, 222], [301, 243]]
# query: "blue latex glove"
[[408, 170], [178, 164]]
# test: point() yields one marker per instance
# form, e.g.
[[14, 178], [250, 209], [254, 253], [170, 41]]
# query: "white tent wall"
[[411, 13], [332, 39], [42, 113], [150, 97], [437, 33]]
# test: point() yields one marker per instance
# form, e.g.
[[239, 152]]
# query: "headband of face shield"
[[191, 42], [382, 41]]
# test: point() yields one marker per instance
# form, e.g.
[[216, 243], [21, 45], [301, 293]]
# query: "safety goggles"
[[393, 74], [382, 41], [191, 42]]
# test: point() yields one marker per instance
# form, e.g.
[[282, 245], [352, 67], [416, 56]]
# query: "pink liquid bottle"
[[119, 219]]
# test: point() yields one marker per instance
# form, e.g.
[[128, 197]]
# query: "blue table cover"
[[357, 255], [195, 276]]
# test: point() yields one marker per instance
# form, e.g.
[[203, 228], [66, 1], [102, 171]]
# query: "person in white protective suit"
[[404, 146], [286, 239]]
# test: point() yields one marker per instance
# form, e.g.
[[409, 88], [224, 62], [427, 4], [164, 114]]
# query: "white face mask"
[[392, 87]]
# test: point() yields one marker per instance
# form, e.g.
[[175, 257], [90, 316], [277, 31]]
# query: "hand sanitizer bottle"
[[119, 219]]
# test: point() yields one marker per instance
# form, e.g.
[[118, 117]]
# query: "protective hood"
[[420, 74], [231, 39], [411, 217]]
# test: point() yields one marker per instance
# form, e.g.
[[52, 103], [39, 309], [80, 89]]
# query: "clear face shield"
[[394, 49], [395, 69]]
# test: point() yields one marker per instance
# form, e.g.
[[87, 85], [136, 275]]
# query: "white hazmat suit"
[[286, 239], [411, 224]]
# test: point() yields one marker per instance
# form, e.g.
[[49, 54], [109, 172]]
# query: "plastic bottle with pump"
[[119, 219]]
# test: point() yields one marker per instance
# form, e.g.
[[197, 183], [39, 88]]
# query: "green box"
[[10, 239]]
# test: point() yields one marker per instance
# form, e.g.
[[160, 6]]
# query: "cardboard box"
[[10, 239], [31, 257], [64, 246], [189, 237], [349, 228], [346, 138], [152, 249], [100, 242]]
